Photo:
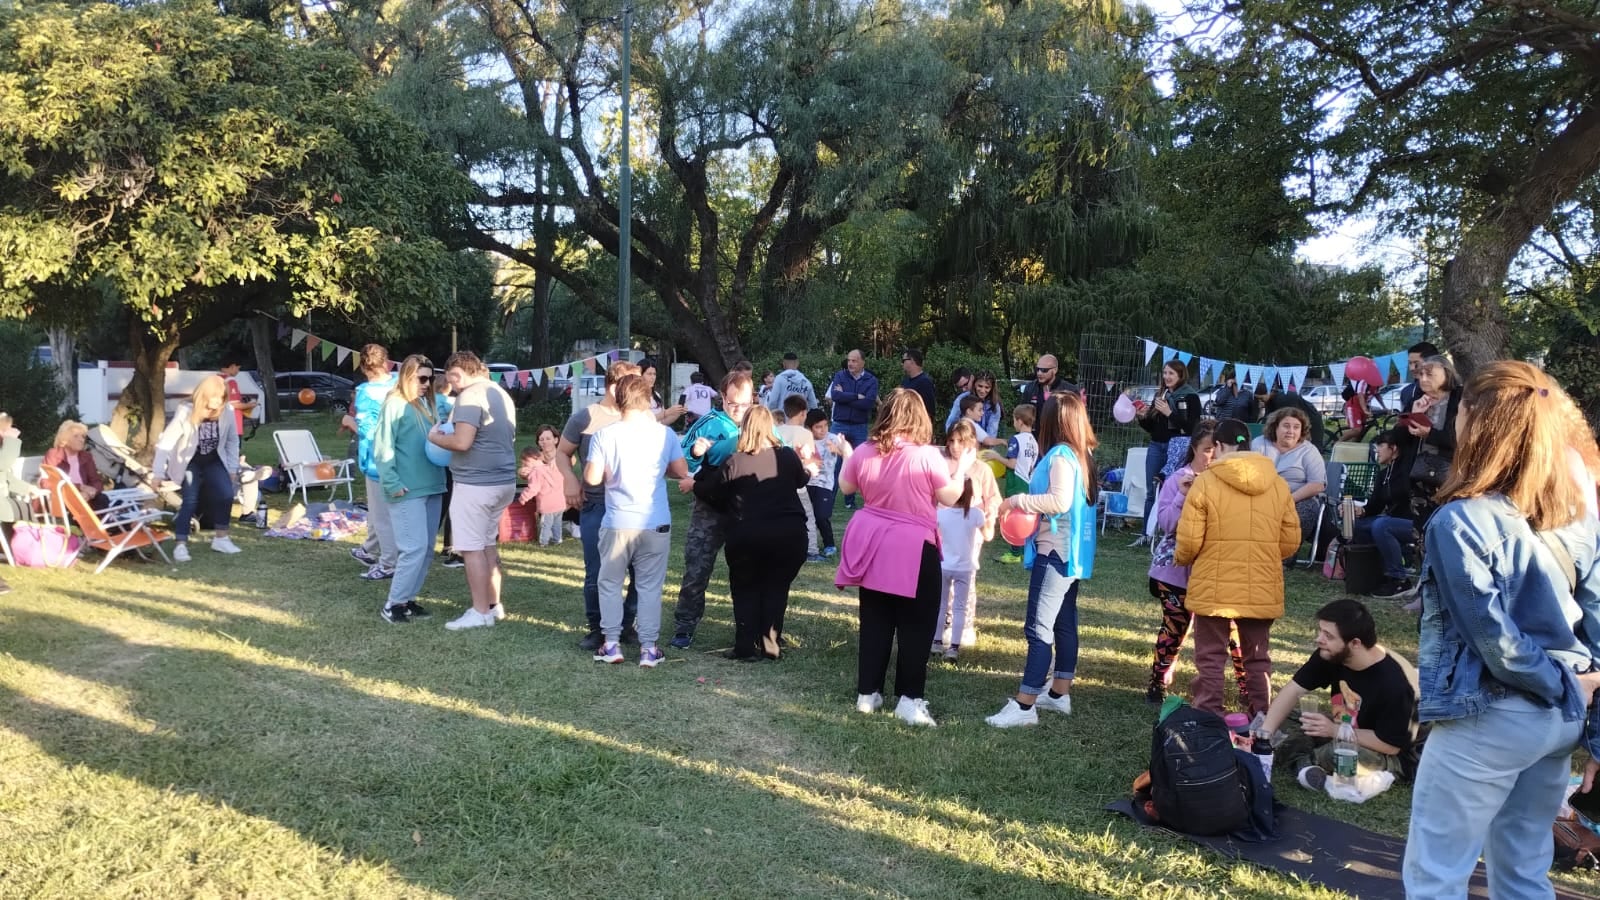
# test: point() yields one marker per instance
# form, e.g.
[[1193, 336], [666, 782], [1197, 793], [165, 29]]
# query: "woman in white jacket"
[[198, 454]]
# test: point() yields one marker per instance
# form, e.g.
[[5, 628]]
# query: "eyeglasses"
[[424, 378], [1041, 370]]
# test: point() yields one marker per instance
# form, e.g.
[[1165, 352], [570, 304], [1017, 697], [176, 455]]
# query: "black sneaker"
[[1394, 589], [454, 561], [415, 610], [1155, 695], [363, 557], [630, 635], [682, 641], [396, 615], [592, 640]]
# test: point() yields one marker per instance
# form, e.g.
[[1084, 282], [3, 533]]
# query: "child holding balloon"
[[964, 526]]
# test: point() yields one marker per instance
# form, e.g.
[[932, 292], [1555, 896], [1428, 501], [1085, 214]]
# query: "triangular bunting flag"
[[588, 366], [1110, 386], [297, 337], [1242, 373], [550, 372], [1401, 363], [327, 350], [612, 356], [283, 331], [355, 362], [1336, 370], [312, 341], [1185, 357], [600, 364], [1269, 374], [536, 375], [564, 370], [1206, 363], [1149, 350], [344, 353], [1298, 376]]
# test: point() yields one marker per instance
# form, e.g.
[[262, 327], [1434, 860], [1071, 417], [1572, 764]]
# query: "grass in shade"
[[248, 725]]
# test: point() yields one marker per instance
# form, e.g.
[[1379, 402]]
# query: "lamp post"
[[625, 197]]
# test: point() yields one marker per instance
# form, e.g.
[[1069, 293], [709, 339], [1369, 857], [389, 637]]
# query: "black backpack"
[[1196, 784]]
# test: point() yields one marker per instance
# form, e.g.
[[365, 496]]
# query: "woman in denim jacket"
[[1510, 638]]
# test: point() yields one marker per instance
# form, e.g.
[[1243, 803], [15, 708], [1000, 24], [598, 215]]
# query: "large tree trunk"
[[261, 341], [63, 355], [1470, 313], [141, 411]]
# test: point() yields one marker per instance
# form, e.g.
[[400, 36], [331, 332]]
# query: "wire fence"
[[1107, 366]]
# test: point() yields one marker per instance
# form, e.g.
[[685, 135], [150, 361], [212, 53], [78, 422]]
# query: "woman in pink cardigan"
[[891, 550]]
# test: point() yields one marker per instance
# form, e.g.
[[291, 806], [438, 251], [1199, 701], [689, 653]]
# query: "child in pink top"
[[545, 485]]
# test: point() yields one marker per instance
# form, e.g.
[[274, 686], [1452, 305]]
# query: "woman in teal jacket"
[[412, 485]]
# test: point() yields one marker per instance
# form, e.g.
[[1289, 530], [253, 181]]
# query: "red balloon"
[[1360, 368], [1017, 525]]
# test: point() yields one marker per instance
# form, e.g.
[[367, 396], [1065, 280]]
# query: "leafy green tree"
[[1485, 113], [195, 167]]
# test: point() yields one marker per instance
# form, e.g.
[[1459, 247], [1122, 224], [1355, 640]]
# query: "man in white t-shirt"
[[798, 438], [631, 460]]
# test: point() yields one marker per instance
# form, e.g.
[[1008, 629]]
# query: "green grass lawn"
[[248, 725]]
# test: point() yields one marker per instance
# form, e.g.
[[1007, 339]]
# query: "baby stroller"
[[118, 462]]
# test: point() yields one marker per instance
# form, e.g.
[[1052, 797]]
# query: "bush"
[[28, 390], [543, 412]]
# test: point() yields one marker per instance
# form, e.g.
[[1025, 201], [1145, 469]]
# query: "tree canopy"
[[193, 166]]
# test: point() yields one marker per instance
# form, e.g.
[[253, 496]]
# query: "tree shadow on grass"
[[505, 799]]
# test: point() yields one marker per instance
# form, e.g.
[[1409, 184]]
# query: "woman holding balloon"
[[1060, 552]]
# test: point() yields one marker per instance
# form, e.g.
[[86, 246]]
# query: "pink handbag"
[[44, 546]]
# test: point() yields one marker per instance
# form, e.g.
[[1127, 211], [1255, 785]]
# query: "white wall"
[[99, 389]]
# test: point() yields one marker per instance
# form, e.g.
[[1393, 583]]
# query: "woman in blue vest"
[[1062, 492]]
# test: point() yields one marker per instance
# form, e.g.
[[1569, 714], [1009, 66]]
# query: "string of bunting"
[[1293, 378], [522, 378]]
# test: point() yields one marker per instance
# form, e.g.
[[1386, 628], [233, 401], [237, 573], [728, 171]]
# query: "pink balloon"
[[1017, 525], [1360, 368], [1123, 410]]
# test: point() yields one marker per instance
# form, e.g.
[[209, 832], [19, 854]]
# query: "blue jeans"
[[1052, 624], [206, 480], [589, 517], [856, 435], [1155, 459], [1489, 783], [1386, 533], [413, 521]]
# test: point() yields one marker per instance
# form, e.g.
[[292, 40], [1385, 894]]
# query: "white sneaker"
[[180, 553], [869, 703], [470, 619], [914, 712], [574, 530], [224, 545], [1062, 705], [498, 611], [1011, 715]]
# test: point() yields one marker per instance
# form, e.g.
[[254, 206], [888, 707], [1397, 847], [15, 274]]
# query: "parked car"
[[519, 394], [331, 392], [1326, 398], [1389, 397]]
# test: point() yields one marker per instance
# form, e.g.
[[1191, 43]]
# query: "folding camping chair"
[[113, 530], [301, 458], [1133, 488]]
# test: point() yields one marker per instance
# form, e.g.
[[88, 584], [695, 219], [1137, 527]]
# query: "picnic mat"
[[318, 522], [1325, 851]]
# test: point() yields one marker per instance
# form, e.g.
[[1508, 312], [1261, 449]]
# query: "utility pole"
[[625, 192]]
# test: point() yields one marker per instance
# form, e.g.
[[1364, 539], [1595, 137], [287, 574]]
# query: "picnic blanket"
[[1324, 851], [319, 522]]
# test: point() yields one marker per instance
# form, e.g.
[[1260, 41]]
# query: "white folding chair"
[[301, 458]]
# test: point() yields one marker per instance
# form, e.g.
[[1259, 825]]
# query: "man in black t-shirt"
[[1375, 686]]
